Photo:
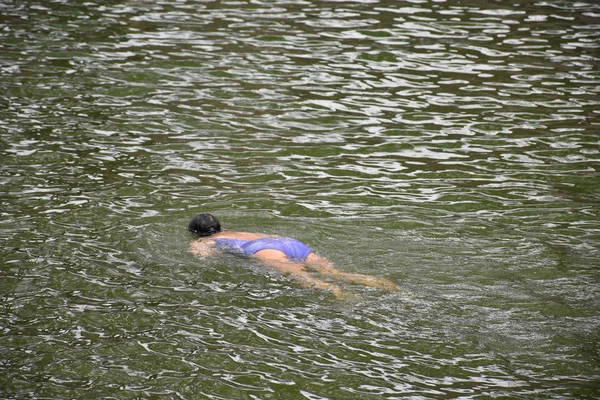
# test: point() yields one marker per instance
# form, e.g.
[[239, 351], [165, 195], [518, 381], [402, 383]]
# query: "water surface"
[[450, 146]]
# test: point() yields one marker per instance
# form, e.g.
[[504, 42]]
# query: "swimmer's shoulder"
[[238, 235]]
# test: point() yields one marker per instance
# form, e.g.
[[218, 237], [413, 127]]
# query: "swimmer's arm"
[[203, 248]]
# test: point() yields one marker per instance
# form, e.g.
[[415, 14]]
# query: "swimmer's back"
[[293, 249]]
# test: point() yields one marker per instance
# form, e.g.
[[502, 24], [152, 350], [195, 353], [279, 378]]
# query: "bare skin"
[[302, 272]]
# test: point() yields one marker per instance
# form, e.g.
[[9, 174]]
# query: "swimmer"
[[285, 254]]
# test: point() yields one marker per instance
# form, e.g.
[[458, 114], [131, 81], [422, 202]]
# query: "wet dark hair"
[[204, 225]]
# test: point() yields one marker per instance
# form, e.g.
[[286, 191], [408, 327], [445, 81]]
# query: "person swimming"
[[285, 254]]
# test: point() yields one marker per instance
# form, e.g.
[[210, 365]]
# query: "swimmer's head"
[[204, 225]]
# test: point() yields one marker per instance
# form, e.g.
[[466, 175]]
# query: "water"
[[450, 146]]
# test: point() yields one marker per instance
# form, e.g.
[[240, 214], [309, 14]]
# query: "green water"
[[452, 146]]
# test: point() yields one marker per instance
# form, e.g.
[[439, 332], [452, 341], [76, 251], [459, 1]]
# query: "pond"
[[450, 146]]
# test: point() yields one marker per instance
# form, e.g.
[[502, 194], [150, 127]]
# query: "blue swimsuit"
[[292, 248]]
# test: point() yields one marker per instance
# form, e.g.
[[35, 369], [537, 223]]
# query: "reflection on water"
[[449, 146]]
